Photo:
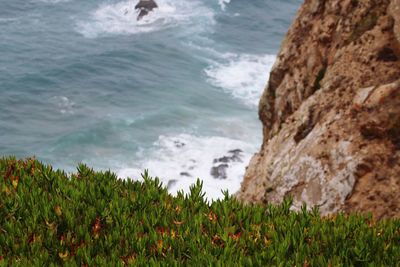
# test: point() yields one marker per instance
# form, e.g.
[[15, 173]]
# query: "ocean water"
[[176, 93]]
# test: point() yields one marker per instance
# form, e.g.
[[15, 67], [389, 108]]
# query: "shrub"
[[48, 218]]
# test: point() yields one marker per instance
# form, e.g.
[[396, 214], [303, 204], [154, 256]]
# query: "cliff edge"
[[331, 112]]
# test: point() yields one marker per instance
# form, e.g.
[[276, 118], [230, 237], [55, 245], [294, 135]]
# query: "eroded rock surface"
[[331, 111]]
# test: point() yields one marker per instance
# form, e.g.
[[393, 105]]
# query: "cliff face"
[[331, 111]]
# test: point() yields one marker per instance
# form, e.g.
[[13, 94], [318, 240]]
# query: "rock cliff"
[[331, 111]]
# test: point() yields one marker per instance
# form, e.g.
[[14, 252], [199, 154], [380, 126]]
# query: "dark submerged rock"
[[219, 172], [171, 183], [235, 151], [179, 144], [185, 174], [234, 156]]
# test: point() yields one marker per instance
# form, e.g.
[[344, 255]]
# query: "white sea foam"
[[243, 76], [223, 3], [174, 158], [120, 18], [209, 52], [63, 104], [4, 20]]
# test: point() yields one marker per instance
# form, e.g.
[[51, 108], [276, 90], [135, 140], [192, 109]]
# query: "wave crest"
[[243, 76]]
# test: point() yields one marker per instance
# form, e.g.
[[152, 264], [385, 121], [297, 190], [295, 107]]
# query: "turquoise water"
[[82, 81]]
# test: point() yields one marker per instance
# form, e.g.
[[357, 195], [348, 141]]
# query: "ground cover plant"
[[49, 218]]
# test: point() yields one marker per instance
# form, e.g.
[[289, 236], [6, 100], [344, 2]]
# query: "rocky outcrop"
[[144, 7], [331, 111]]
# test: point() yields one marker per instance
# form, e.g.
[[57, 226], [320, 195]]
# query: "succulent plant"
[[95, 219]]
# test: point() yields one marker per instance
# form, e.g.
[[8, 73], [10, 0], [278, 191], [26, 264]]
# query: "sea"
[[175, 93]]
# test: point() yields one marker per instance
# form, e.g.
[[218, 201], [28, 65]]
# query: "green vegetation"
[[94, 219]]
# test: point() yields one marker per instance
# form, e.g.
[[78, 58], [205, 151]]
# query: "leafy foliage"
[[92, 218]]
